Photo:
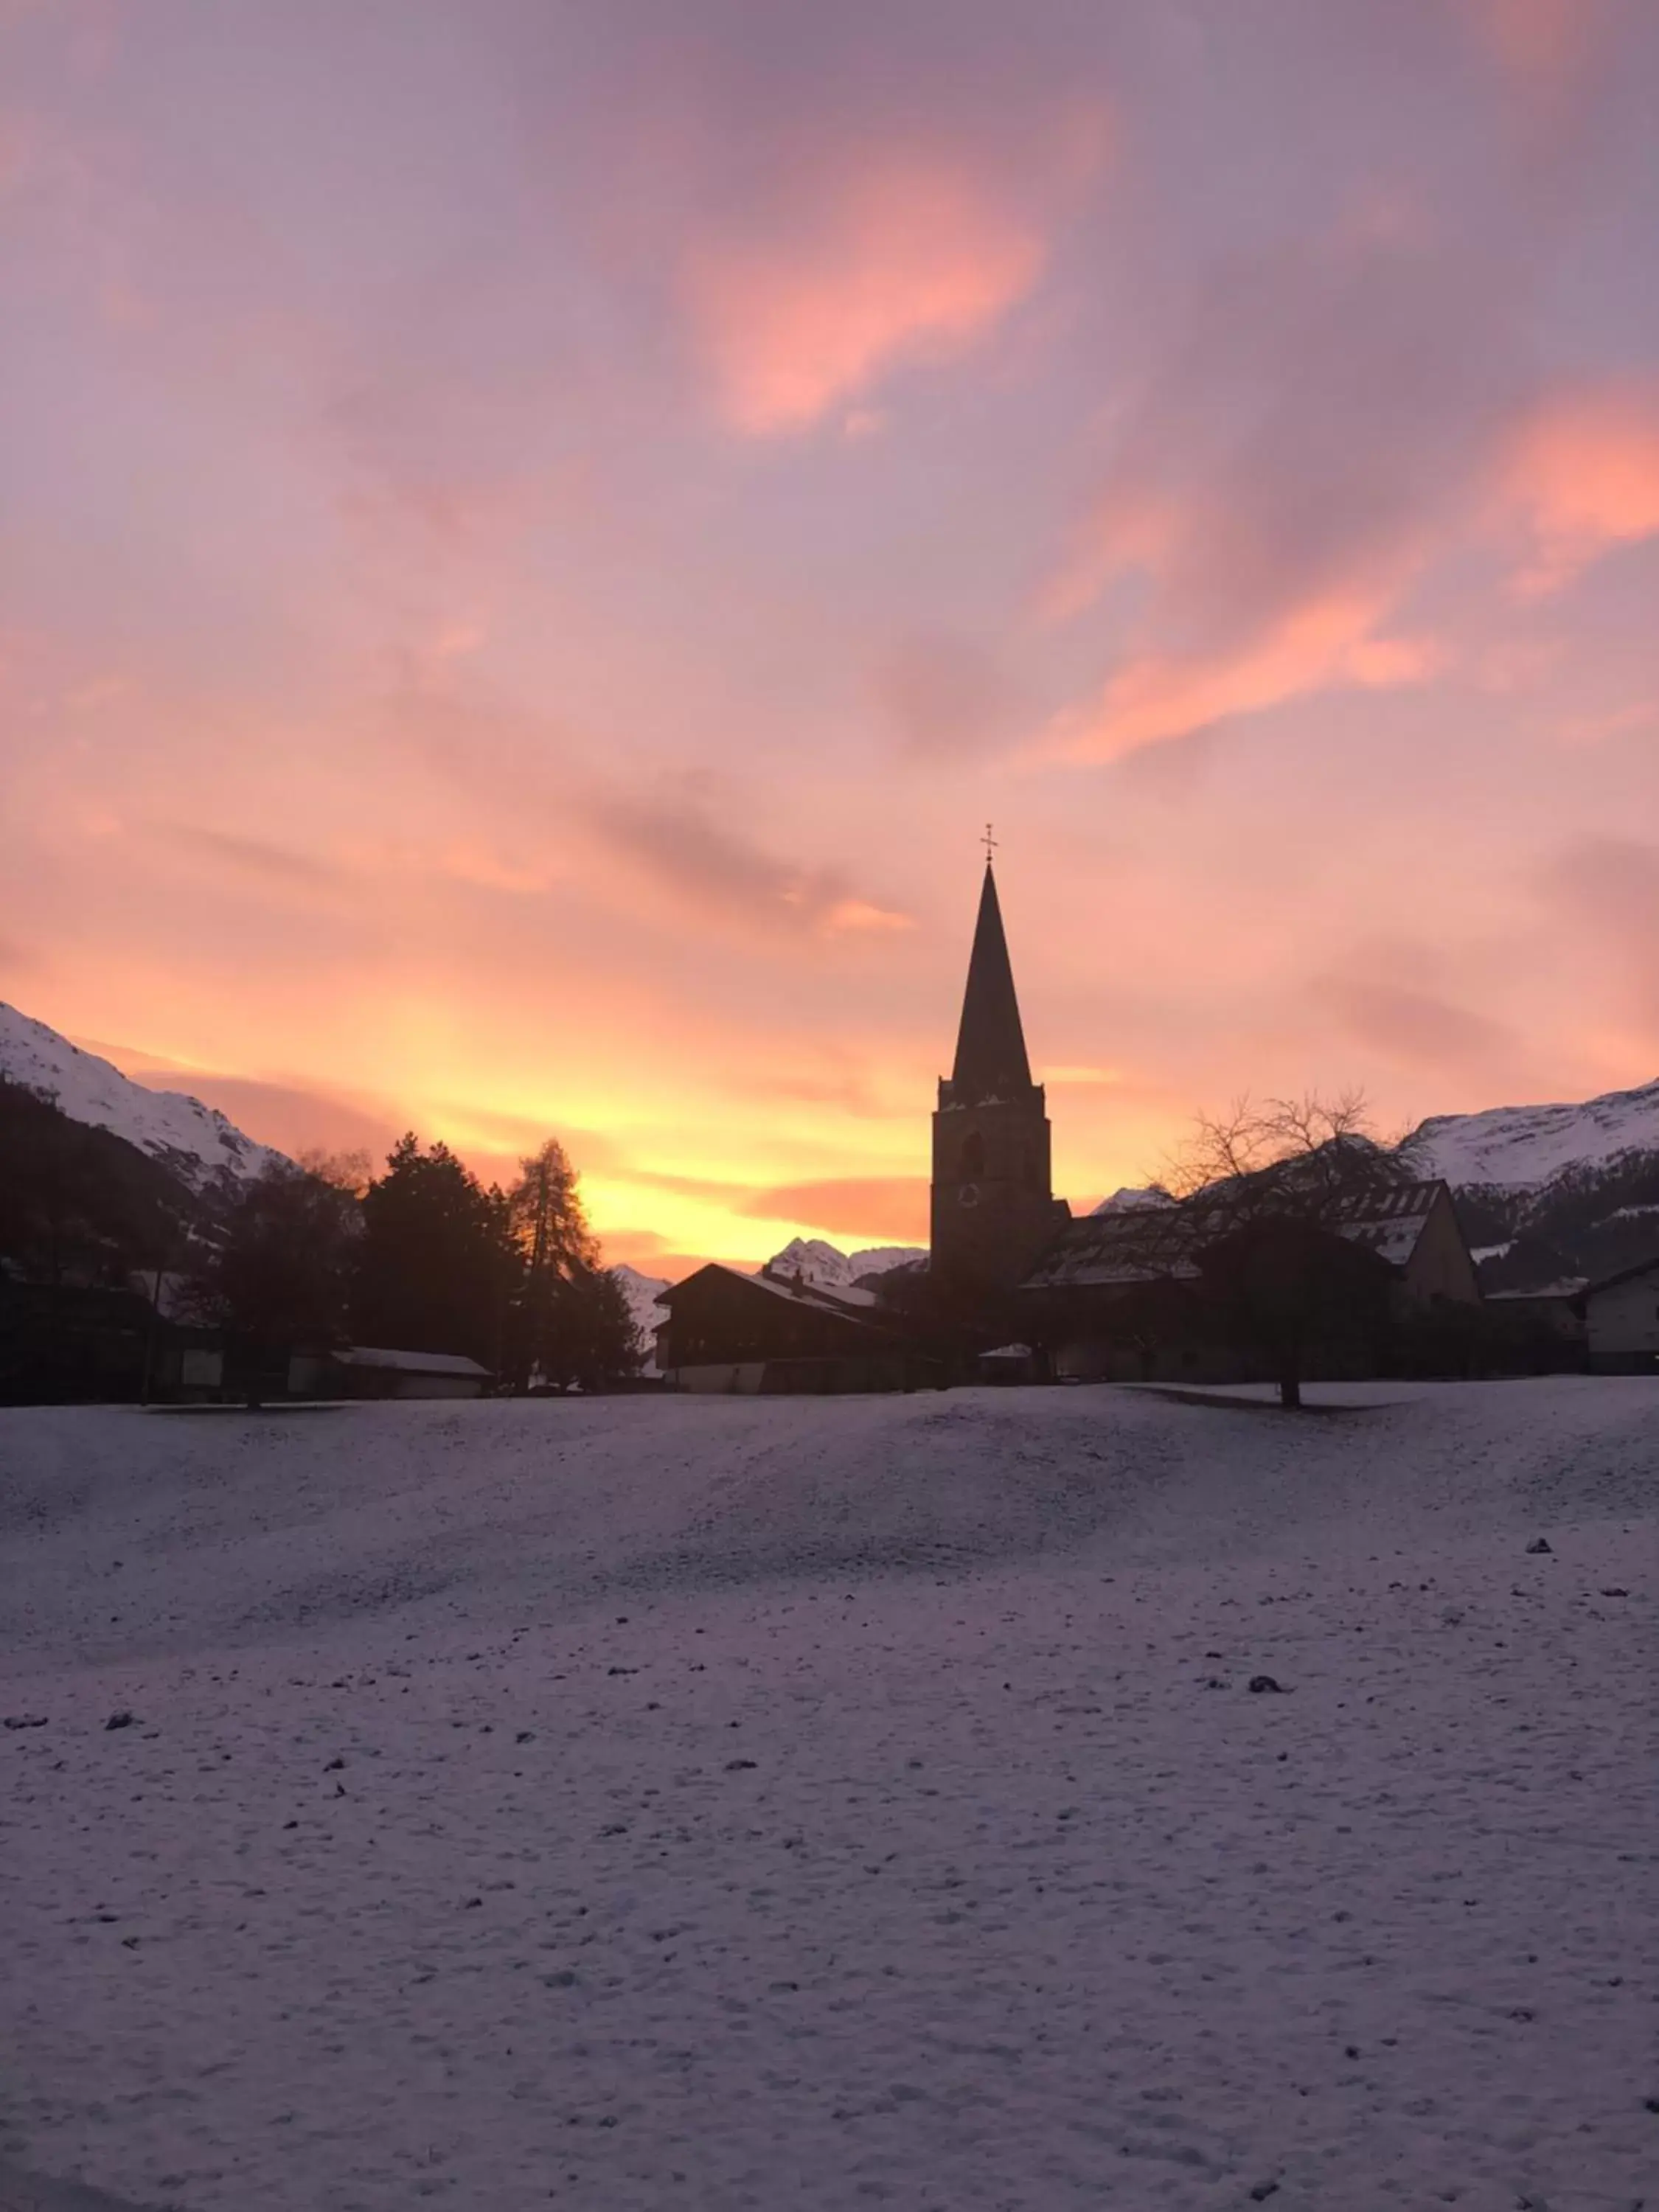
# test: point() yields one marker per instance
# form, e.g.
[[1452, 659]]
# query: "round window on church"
[[967, 1194]]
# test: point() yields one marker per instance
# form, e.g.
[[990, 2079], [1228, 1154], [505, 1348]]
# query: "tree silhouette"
[[437, 1265], [278, 1271], [1265, 1188], [570, 1321]]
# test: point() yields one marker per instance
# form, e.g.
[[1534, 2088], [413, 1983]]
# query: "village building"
[[772, 1332], [1128, 1293], [1016, 1289], [362, 1370], [1621, 1320], [1127, 1296]]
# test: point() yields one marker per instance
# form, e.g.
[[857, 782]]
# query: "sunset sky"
[[534, 534]]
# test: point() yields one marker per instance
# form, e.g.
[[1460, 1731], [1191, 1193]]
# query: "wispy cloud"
[[678, 841], [1329, 418], [1583, 472], [1417, 1028], [253, 857], [858, 1205], [905, 261]]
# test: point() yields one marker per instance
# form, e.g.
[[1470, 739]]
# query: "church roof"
[[991, 1061]]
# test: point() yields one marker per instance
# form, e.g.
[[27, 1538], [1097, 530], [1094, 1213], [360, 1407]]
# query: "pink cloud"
[[1584, 472], [1545, 43], [1321, 430], [1329, 642], [910, 260]]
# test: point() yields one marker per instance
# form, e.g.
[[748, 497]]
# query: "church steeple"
[[991, 1061], [993, 1208]]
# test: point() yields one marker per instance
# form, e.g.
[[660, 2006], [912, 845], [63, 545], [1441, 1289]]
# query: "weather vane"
[[989, 843]]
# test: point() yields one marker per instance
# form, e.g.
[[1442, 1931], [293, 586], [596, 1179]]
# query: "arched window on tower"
[[973, 1157]]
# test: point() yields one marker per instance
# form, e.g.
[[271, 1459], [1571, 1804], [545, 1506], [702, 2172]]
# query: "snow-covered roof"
[[848, 1305], [1148, 1243], [1386, 1222], [1142, 1245], [412, 1363]]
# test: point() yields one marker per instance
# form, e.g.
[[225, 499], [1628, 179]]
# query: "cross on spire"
[[989, 843]]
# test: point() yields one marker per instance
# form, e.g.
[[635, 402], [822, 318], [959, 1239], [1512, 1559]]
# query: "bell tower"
[[994, 1207]]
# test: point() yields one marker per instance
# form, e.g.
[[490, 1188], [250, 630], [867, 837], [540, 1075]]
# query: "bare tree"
[[1269, 1188], [351, 1172], [1311, 1155]]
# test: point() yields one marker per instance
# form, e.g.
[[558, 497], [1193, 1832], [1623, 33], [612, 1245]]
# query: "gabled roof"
[[1145, 1244], [849, 1305], [1387, 1222], [1142, 1246], [412, 1363], [991, 1060], [1648, 1266]]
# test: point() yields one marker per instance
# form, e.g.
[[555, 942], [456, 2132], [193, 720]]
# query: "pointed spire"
[[991, 1061]]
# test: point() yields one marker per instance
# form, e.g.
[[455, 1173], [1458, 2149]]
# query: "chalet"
[[1132, 1295], [770, 1333], [1621, 1320], [1414, 1227]]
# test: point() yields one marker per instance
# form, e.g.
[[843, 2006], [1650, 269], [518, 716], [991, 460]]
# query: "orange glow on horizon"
[[515, 628]]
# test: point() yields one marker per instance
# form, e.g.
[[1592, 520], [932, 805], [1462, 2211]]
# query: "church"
[[992, 1210], [1011, 1276]]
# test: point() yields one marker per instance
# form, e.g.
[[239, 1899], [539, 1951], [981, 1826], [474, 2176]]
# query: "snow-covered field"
[[726, 1804]]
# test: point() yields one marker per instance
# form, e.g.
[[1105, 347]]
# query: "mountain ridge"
[[1526, 1147], [197, 1142], [1579, 1181]]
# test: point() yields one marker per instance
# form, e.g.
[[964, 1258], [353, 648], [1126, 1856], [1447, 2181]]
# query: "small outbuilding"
[[1621, 1320], [360, 1370]]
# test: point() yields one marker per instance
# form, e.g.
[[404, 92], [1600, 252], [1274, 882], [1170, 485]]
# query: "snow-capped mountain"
[[1551, 1192], [641, 1291], [1129, 1200], [198, 1143], [1524, 1147], [815, 1261]]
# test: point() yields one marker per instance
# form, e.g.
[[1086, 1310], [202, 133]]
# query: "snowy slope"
[[641, 1292], [815, 1261], [1522, 1147], [653, 1801], [1132, 1201], [196, 1141]]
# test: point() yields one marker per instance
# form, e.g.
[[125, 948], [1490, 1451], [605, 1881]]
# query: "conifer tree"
[[571, 1322], [437, 1265]]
